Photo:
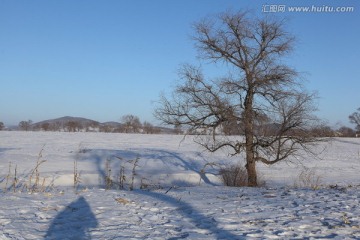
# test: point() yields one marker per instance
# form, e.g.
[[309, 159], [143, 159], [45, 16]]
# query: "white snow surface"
[[183, 196]]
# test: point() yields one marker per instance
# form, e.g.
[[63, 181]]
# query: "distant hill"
[[67, 119], [67, 123]]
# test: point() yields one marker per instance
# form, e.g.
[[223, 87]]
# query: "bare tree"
[[131, 123], [177, 129], [323, 131], [45, 126], [355, 119], [260, 97], [73, 126], [25, 125], [91, 126], [105, 128], [346, 132], [149, 128], [2, 126], [56, 126]]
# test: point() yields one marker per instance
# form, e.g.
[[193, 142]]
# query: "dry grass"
[[126, 174], [308, 178], [234, 176], [77, 179], [32, 182]]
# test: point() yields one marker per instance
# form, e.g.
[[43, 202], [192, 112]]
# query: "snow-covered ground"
[[183, 198]]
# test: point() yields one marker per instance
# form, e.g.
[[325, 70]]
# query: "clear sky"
[[104, 59]]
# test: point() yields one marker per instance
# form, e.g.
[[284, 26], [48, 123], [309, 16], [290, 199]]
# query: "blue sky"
[[104, 59]]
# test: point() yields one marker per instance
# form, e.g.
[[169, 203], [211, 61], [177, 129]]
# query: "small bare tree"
[[56, 126], [261, 98], [149, 128], [355, 119], [73, 126], [25, 125], [2, 126], [346, 132], [45, 126], [131, 123]]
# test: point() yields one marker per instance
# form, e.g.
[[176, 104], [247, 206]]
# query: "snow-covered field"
[[183, 197]]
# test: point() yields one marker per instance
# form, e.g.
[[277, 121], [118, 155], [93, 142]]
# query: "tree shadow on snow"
[[73, 222], [151, 161], [353, 141], [199, 220], [2, 150]]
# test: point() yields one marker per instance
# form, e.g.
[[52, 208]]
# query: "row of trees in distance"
[[132, 124], [128, 124]]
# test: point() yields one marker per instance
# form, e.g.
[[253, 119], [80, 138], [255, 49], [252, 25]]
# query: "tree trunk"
[[249, 139], [251, 171]]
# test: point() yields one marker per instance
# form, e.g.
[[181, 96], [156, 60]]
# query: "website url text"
[[311, 9]]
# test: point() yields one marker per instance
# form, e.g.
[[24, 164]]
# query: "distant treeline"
[[128, 124], [132, 124]]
